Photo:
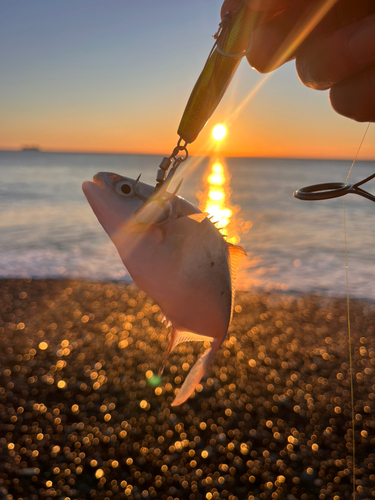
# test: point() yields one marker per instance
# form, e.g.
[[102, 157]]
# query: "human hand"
[[334, 49]]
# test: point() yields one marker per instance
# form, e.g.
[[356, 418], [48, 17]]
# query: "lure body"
[[217, 74]]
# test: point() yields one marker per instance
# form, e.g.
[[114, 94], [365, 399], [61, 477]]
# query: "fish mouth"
[[98, 181]]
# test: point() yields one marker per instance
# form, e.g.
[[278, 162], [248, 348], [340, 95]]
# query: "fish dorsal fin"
[[236, 254], [199, 217], [180, 337]]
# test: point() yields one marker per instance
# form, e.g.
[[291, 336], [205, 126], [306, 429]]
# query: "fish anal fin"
[[180, 337], [236, 254], [195, 375], [177, 337], [199, 217]]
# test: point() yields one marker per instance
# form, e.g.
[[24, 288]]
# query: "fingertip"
[[336, 56], [271, 46], [262, 54], [310, 76], [260, 65], [355, 97]]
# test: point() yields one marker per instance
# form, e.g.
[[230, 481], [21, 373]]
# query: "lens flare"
[[219, 132]]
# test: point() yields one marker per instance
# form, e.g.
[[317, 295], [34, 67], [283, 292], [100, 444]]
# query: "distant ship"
[[30, 148]]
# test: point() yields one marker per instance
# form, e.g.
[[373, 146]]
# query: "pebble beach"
[[84, 414]]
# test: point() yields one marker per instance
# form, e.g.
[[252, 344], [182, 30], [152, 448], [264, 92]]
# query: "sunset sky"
[[115, 76]]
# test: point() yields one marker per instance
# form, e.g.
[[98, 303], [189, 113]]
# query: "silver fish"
[[176, 255]]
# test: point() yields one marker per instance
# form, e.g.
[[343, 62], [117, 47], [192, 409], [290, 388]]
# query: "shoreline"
[[255, 290], [83, 412]]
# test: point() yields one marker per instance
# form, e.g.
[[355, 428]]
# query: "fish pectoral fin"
[[199, 217], [195, 375], [236, 254]]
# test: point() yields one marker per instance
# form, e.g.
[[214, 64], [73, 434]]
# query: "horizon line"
[[62, 151]]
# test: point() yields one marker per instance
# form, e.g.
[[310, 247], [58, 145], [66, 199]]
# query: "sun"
[[219, 132]]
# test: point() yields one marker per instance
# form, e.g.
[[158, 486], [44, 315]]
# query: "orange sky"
[[88, 78]]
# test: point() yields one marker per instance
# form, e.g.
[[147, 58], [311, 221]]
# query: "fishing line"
[[350, 346], [348, 319], [357, 153]]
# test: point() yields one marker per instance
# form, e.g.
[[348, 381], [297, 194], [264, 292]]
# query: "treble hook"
[[329, 190]]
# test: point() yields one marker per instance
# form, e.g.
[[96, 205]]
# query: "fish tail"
[[195, 375]]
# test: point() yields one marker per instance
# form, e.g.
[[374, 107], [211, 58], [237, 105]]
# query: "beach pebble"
[[84, 414]]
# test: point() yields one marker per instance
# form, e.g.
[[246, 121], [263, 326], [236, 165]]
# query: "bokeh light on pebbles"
[[85, 416]]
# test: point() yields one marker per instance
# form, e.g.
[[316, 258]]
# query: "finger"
[[270, 48], [337, 56], [300, 25], [355, 96], [343, 13]]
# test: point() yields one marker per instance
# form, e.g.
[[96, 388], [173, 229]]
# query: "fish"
[[175, 254]]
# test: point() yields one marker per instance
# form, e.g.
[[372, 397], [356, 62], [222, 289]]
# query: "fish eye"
[[124, 188]]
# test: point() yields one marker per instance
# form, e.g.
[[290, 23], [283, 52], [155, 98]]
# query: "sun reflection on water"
[[215, 199]]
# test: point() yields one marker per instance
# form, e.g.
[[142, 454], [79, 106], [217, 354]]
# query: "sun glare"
[[216, 201], [219, 132]]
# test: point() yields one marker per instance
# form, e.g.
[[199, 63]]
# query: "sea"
[[48, 230]]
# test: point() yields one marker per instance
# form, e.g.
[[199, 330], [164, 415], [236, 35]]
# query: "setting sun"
[[219, 132]]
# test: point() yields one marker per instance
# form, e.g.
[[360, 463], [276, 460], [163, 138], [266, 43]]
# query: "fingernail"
[[361, 43]]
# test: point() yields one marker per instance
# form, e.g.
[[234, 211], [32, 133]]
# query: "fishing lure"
[[232, 43]]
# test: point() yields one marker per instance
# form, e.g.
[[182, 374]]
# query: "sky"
[[115, 76]]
